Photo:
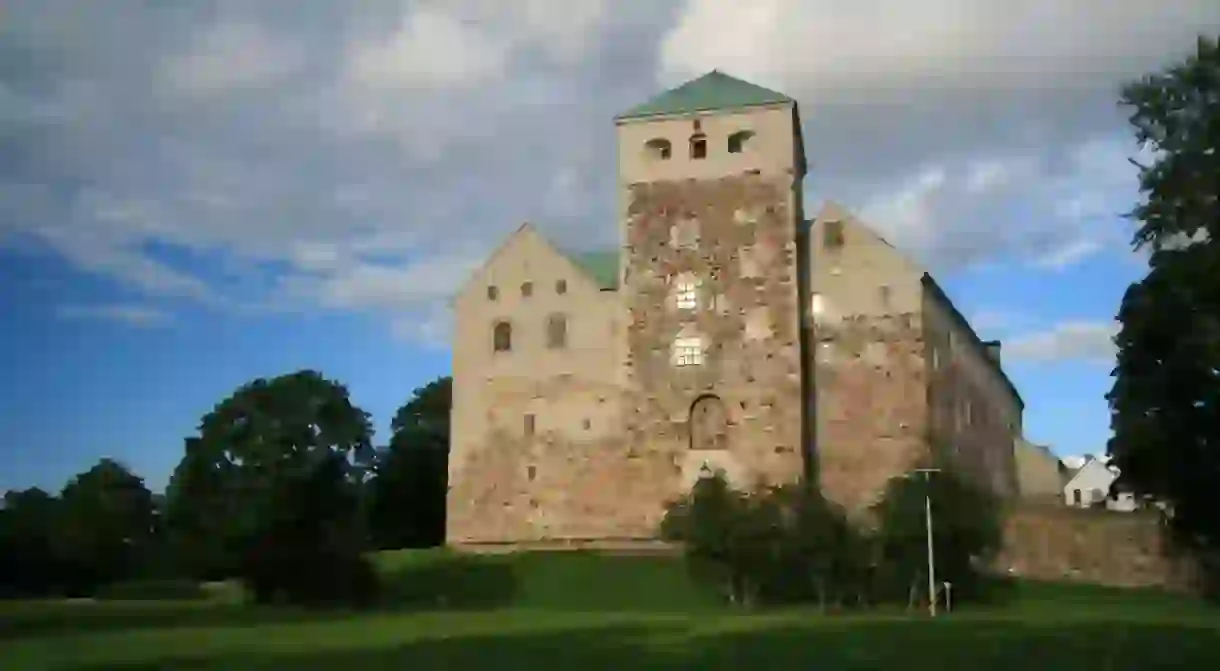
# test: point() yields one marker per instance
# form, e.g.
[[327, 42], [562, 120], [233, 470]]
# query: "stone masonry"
[[872, 405], [740, 244]]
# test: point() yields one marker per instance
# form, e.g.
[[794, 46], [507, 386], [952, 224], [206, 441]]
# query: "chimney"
[[993, 350]]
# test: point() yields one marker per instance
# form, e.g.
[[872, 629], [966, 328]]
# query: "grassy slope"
[[591, 612]]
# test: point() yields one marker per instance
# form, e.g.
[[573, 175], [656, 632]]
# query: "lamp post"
[[927, 507]]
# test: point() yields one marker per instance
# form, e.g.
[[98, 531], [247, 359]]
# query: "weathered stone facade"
[[731, 334], [872, 406], [743, 314]]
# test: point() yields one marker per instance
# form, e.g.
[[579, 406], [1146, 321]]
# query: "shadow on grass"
[[906, 645], [453, 585]]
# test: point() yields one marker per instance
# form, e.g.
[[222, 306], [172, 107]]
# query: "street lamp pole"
[[927, 507]]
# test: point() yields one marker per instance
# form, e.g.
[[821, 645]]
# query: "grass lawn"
[[590, 612]]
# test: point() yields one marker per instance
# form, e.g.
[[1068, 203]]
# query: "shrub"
[[150, 590], [967, 533], [774, 545]]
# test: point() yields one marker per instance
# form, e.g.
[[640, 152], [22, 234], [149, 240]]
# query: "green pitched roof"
[[602, 266], [713, 91]]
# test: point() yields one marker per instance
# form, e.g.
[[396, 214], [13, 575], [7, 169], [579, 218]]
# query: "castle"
[[727, 332]]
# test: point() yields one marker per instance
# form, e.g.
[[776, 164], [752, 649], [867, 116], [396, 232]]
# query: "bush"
[[776, 545], [967, 533], [150, 590]]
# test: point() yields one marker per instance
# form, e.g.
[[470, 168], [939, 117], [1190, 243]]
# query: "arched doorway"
[[709, 424]]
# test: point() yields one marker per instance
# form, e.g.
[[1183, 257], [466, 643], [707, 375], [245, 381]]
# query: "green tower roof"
[[602, 266], [713, 91]]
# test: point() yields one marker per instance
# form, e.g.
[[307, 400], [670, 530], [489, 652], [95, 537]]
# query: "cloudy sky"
[[194, 194]]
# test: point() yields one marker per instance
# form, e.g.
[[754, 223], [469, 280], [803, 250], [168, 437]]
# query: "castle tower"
[[710, 177]]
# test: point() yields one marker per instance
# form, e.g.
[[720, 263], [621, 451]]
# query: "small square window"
[[531, 472], [492, 293], [586, 424], [688, 352], [686, 295], [561, 287], [527, 289], [832, 235]]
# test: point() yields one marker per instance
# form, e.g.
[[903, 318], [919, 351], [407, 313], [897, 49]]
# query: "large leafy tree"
[[106, 524], [407, 506], [28, 562], [272, 482], [1166, 397]]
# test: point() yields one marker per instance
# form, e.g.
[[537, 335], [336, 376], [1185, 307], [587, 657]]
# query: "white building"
[[1090, 486]]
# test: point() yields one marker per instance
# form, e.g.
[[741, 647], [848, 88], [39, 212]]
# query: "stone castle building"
[[728, 332]]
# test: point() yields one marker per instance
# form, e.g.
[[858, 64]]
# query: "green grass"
[[585, 611]]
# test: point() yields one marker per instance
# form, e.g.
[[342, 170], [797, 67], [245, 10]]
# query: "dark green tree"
[[1165, 402], [273, 481], [106, 525], [29, 564], [407, 492], [967, 534]]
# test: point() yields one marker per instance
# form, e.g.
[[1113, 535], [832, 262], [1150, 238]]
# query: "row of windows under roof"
[[527, 289], [662, 149]]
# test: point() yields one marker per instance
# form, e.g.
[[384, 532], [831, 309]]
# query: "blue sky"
[[225, 190]]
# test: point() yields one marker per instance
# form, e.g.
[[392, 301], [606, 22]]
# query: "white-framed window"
[[686, 293], [688, 351]]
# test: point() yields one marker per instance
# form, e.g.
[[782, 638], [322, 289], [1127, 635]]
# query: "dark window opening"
[[492, 293], [832, 234], [698, 146], [737, 141], [529, 425], [561, 286], [527, 289], [502, 337], [658, 149], [557, 332]]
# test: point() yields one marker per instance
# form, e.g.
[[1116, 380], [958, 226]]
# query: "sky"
[[196, 194]]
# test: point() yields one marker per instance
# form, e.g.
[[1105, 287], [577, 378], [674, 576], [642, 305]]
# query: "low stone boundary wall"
[[1054, 542]]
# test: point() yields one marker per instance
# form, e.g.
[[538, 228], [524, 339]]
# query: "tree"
[[273, 481], [967, 534], [407, 506], [1165, 402], [28, 562], [106, 525]]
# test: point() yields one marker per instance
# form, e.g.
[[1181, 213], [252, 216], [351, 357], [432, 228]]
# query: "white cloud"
[[1073, 340], [232, 55], [430, 49], [134, 315], [363, 156], [827, 46]]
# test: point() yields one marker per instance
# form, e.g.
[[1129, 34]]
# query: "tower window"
[[698, 146], [686, 293], [529, 425], [561, 287], [527, 289], [737, 141], [658, 149], [883, 293], [832, 234], [557, 332], [502, 337], [688, 351], [492, 293]]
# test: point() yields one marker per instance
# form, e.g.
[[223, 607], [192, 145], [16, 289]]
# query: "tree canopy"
[[1165, 401]]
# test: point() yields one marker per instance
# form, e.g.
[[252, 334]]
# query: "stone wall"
[[872, 409], [736, 236], [560, 484], [1093, 546]]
